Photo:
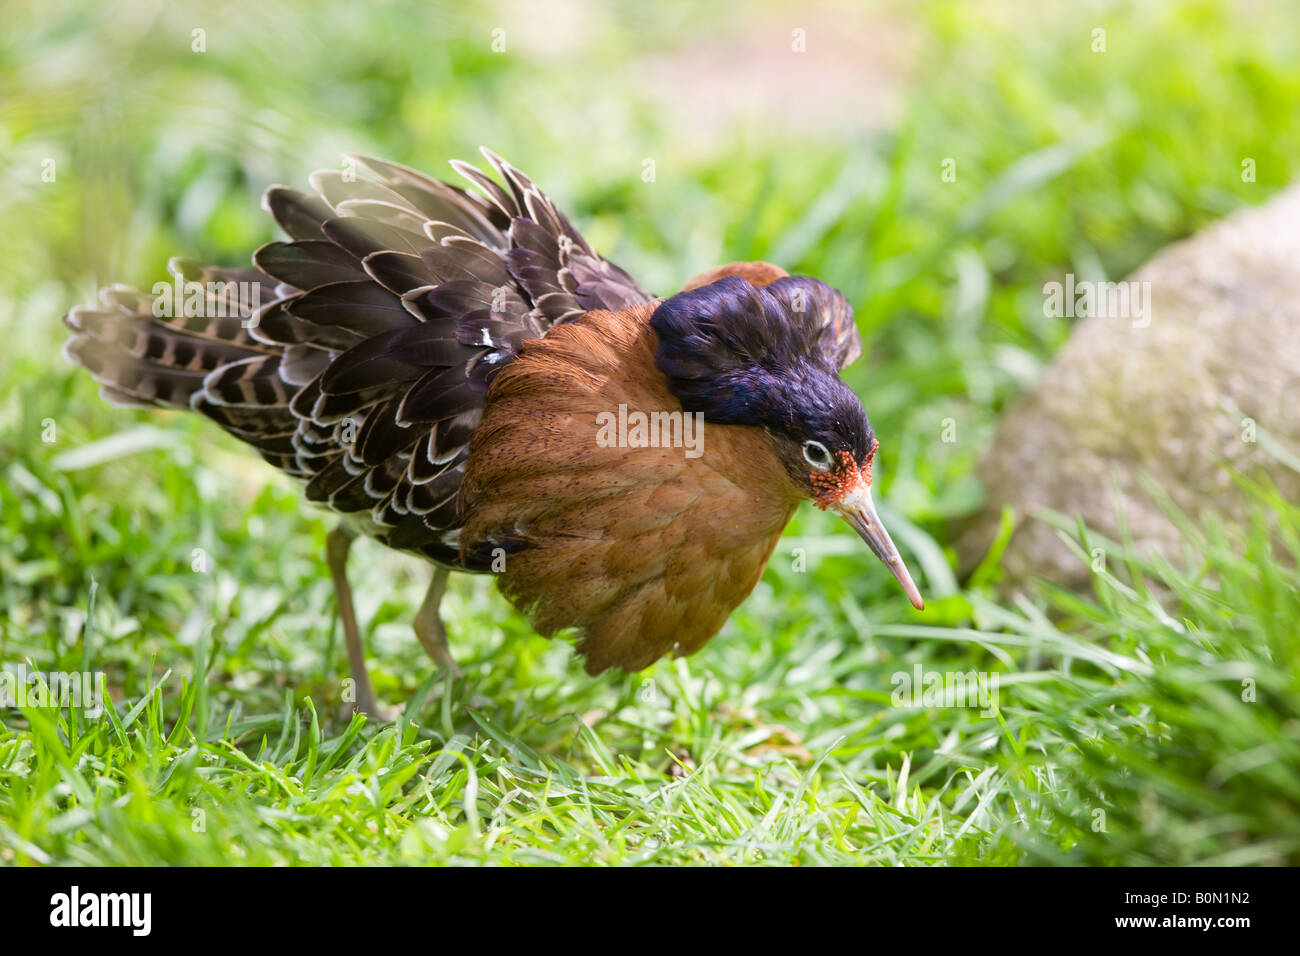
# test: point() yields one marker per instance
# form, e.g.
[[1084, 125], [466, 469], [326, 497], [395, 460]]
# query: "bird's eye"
[[817, 455]]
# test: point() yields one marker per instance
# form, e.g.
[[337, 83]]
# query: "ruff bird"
[[462, 377]]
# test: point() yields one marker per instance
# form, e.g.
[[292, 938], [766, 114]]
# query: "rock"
[[1202, 382]]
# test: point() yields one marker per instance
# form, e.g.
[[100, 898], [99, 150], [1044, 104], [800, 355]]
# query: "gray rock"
[[1170, 397]]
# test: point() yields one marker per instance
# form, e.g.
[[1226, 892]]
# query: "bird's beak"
[[857, 508]]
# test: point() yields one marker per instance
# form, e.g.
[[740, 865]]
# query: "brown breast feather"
[[644, 550]]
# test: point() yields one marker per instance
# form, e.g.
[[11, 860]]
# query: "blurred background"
[[814, 136], [677, 136]]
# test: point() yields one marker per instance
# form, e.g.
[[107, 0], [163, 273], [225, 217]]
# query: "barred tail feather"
[[142, 360]]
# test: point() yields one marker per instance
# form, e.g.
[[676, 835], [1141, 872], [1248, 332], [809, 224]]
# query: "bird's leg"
[[337, 545], [428, 623]]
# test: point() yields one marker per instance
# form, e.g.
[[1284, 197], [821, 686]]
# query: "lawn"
[[1155, 720]]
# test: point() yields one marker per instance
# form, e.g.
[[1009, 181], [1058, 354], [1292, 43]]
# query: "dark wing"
[[364, 369]]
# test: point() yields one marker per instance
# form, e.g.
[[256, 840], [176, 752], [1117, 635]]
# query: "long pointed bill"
[[857, 508]]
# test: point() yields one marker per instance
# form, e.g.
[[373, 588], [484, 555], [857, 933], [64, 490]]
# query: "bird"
[[457, 373]]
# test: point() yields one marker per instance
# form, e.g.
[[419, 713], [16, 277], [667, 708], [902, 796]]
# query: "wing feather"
[[382, 320]]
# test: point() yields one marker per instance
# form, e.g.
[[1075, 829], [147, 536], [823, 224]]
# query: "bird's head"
[[769, 356]]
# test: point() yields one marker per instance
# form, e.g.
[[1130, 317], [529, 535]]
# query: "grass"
[[1153, 721]]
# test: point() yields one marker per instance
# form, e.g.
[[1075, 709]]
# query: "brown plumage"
[[645, 551], [437, 365]]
